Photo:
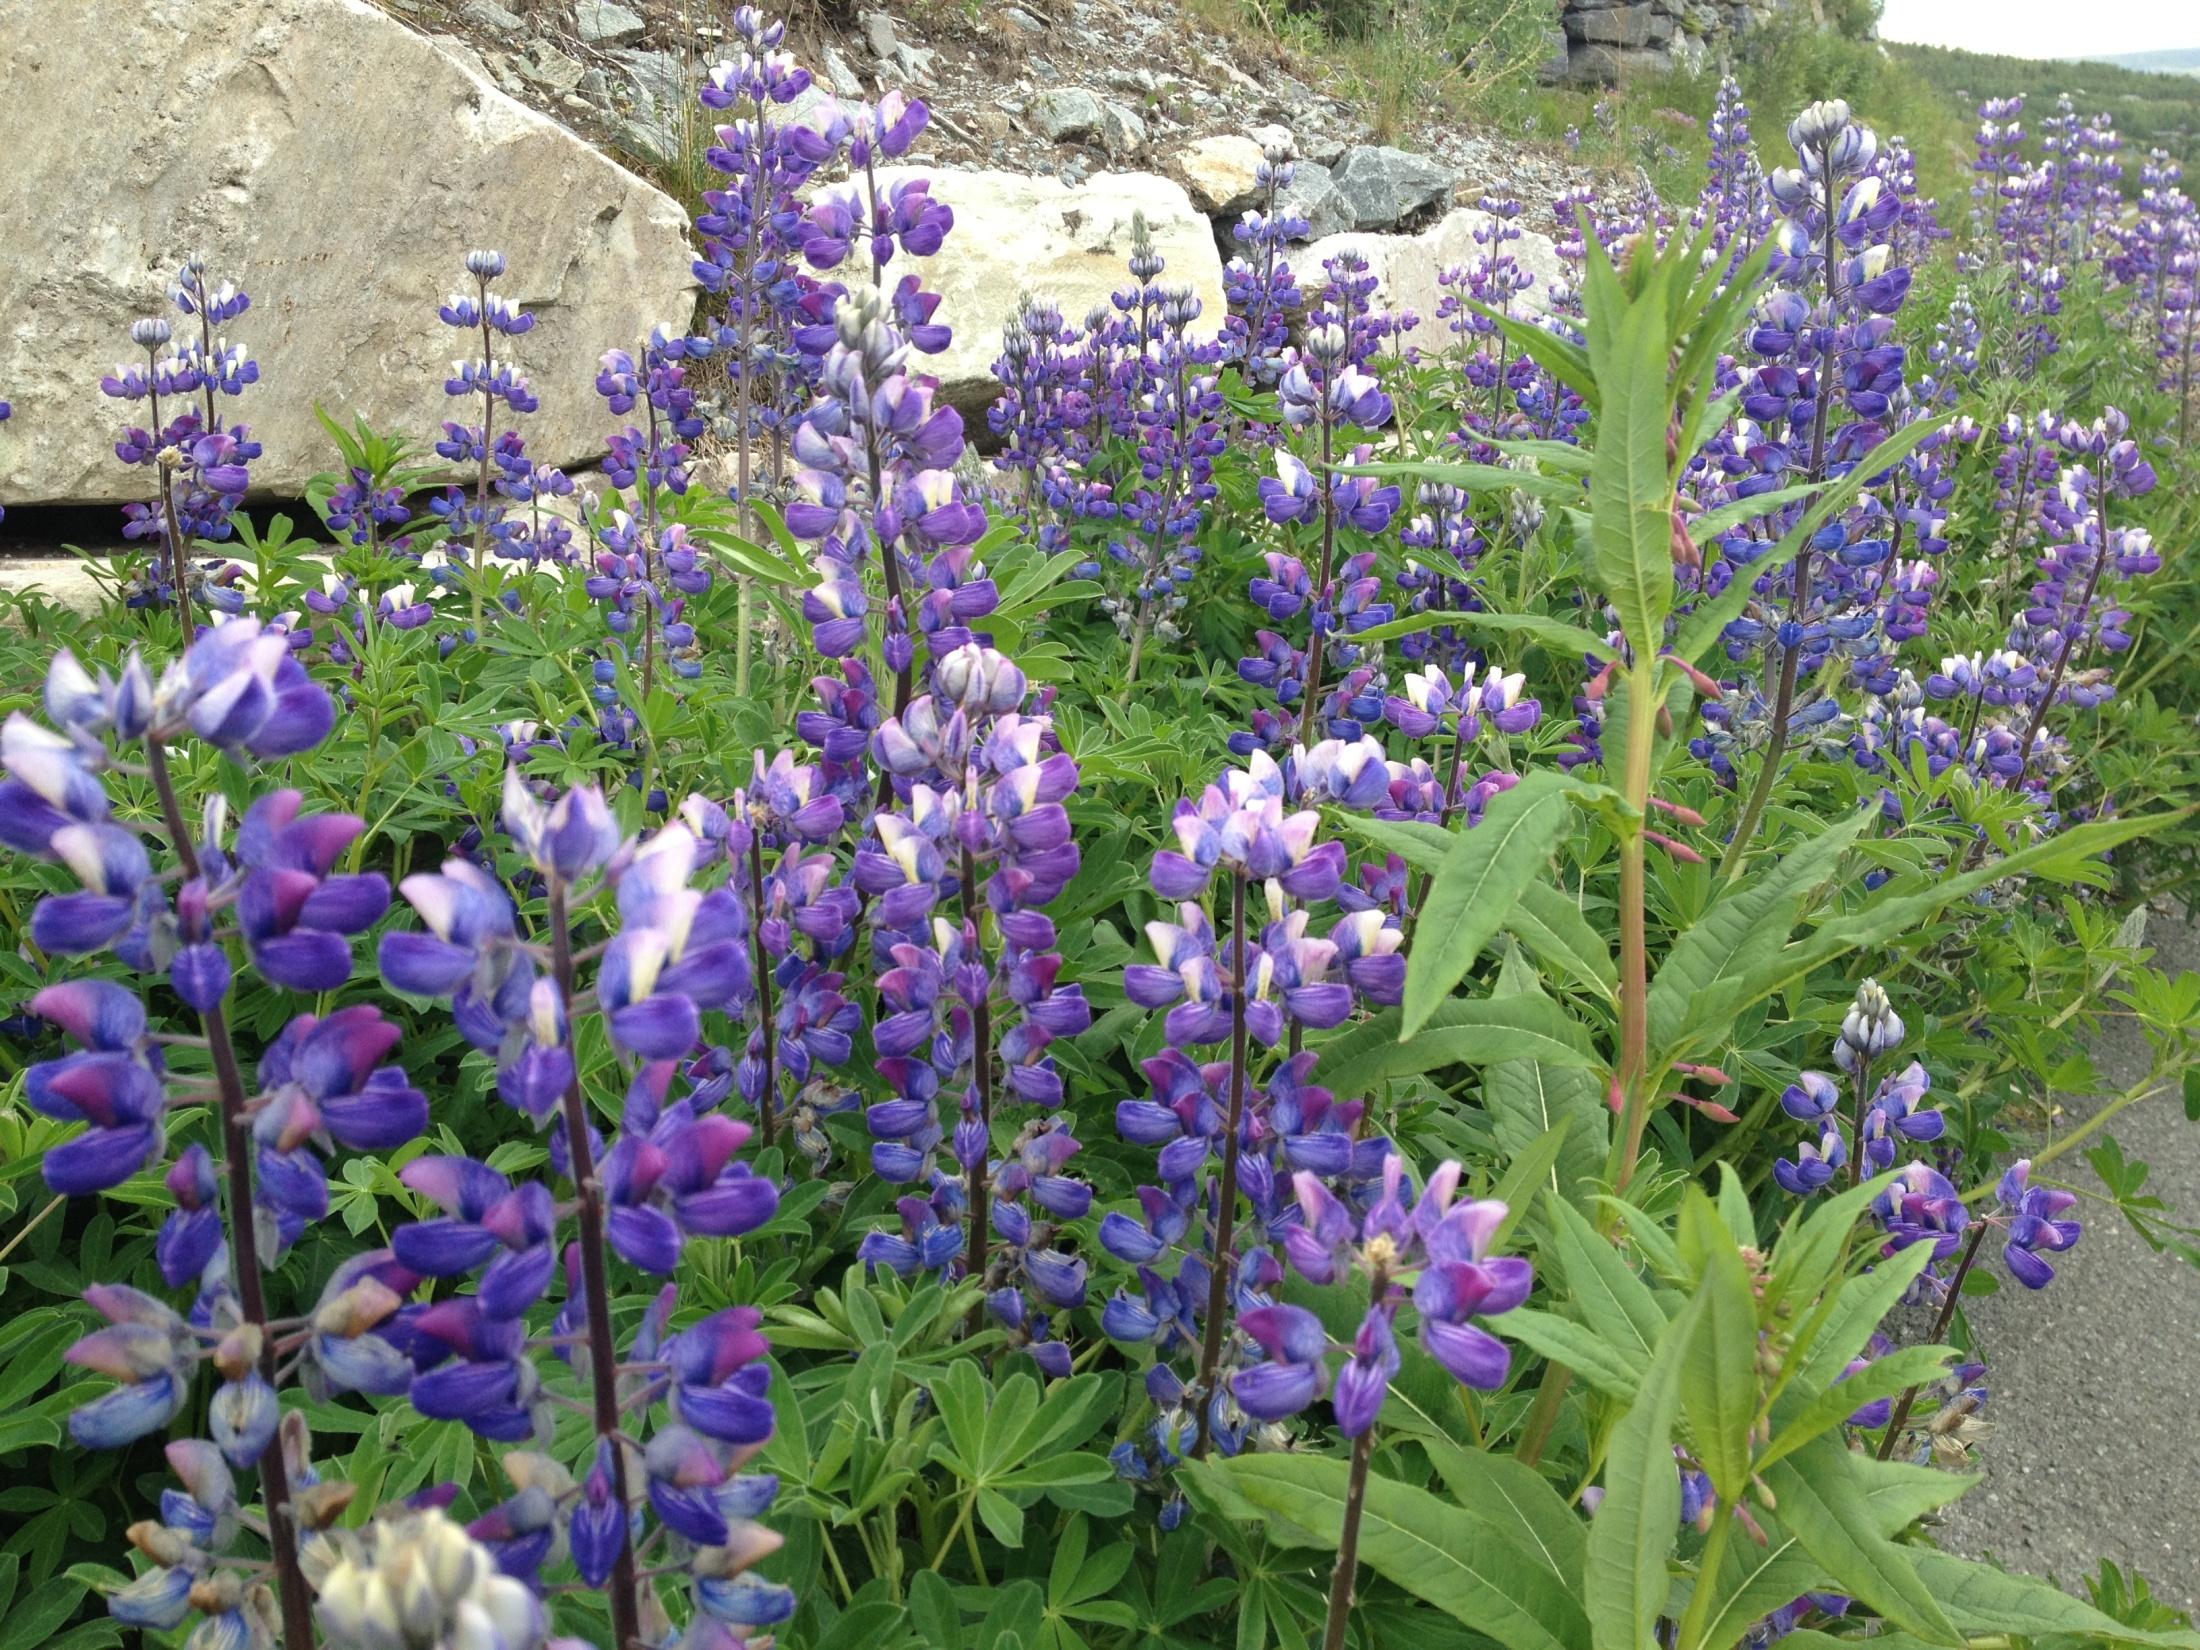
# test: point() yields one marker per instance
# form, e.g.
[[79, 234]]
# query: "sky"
[[2043, 28]]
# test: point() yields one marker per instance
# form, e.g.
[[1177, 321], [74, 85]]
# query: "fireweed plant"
[[1427, 1112]]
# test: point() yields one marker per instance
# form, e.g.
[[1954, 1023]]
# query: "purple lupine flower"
[[2034, 1214], [322, 1082], [1446, 1245]]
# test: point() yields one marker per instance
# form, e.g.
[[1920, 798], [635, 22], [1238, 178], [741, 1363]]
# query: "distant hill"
[[2154, 103], [2169, 62]]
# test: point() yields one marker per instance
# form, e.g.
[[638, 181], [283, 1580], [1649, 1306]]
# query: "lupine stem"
[[1218, 1283], [1318, 648], [1730, 867], [481, 470], [603, 1355], [1707, 1581], [767, 1100], [171, 539], [982, 1034], [1856, 1156], [1344, 1580], [1901, 1415], [1634, 985], [282, 1540]]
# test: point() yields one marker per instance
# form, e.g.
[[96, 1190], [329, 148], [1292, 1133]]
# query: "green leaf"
[[1530, 1103], [1539, 1518], [1754, 1581], [1821, 1499], [1422, 846], [1900, 1493], [1469, 1031], [1054, 1471], [1631, 486], [1002, 1516], [1981, 1599], [1732, 942], [1710, 619], [1719, 1383], [1448, 1555], [1475, 887], [1807, 1253], [1633, 1532], [1568, 641], [1881, 1378], [1550, 924], [1613, 1370], [1617, 1303]]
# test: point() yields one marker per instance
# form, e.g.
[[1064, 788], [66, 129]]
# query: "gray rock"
[[1631, 27], [842, 78], [1121, 131], [660, 79], [1591, 63], [607, 23], [286, 96], [551, 69], [1066, 114], [1022, 21], [595, 86], [1313, 194], [1385, 187], [486, 14], [879, 35]]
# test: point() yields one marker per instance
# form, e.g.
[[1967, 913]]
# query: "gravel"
[[2095, 1380]]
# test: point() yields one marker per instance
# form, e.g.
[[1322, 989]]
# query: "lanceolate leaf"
[[1981, 1599], [1754, 1581], [1570, 642], [1632, 484], [1475, 887], [1467, 1031], [1633, 1532], [1473, 477], [1719, 1386], [1882, 1378], [1544, 1524], [1821, 1499], [1710, 619], [1732, 942], [1602, 1284], [1551, 925], [1612, 1370], [2069, 856], [1466, 1565]]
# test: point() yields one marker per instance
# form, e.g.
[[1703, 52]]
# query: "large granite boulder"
[[1385, 187], [1015, 234], [335, 164], [1407, 266], [1220, 173]]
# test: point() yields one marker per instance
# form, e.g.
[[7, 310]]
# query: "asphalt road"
[[2095, 1380]]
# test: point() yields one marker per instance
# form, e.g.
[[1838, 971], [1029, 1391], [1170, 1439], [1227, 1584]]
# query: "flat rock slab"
[[337, 166], [1015, 234], [1408, 266]]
